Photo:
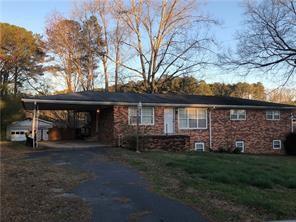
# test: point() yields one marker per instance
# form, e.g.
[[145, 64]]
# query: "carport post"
[[37, 127], [34, 122]]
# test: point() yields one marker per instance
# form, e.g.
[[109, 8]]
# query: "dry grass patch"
[[31, 188]]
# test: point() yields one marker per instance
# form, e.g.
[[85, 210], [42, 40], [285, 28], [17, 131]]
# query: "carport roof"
[[89, 100]]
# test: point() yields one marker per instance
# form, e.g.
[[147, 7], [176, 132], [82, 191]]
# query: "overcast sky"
[[32, 16]]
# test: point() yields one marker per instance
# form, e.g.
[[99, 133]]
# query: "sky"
[[32, 15]]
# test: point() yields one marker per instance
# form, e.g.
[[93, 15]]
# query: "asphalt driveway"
[[117, 192]]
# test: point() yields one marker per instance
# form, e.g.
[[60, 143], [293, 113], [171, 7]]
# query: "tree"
[[248, 91], [221, 89], [101, 10], [268, 41], [11, 110], [204, 89], [113, 34], [258, 91], [166, 40], [180, 85], [92, 44], [75, 50], [282, 95], [63, 43], [21, 57]]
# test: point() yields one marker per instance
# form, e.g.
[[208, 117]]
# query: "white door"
[[17, 135], [169, 120]]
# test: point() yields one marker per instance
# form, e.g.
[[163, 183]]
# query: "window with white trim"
[[192, 118], [199, 146], [146, 115], [276, 144], [272, 115], [237, 114], [240, 144]]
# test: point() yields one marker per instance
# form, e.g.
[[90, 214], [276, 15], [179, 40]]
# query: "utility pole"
[[139, 111]]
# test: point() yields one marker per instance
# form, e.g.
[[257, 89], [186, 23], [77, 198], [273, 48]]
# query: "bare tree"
[[101, 9], [113, 34], [62, 43], [282, 95], [118, 36], [75, 47], [268, 41], [167, 39], [149, 40]]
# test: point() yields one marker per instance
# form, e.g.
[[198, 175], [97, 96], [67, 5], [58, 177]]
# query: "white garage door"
[[17, 135]]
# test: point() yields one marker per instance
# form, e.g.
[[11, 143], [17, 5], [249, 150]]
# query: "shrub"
[[290, 144], [130, 142], [237, 150], [223, 150]]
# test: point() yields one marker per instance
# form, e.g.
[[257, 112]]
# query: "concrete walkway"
[[117, 192]]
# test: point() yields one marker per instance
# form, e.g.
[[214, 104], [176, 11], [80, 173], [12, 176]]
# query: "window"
[[146, 117], [199, 146], [272, 115], [240, 144], [237, 114], [12, 133], [192, 118], [276, 144]]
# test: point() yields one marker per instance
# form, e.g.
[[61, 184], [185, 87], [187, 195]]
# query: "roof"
[[92, 99], [28, 123]]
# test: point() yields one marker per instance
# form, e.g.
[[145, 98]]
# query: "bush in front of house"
[[226, 150], [290, 144], [130, 142], [237, 150]]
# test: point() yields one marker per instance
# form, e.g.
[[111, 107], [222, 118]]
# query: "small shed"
[[16, 131]]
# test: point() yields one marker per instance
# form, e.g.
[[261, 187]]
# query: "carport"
[[75, 104]]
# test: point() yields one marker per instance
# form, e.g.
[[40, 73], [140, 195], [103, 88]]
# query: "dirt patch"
[[134, 217], [28, 188], [122, 200]]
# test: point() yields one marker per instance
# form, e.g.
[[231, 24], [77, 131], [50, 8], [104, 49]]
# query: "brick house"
[[179, 122]]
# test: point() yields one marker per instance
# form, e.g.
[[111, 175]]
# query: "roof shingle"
[[128, 97]]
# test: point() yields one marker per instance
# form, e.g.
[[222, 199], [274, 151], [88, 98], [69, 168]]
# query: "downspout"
[[210, 126], [292, 122]]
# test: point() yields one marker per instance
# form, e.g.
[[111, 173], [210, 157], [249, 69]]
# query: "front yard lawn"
[[224, 187], [32, 189]]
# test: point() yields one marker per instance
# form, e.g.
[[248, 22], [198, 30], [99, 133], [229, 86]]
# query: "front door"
[[169, 120]]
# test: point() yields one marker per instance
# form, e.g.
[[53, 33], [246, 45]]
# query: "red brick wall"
[[121, 126], [106, 125], [255, 131], [174, 143]]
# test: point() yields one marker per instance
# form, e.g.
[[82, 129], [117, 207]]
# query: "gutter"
[[81, 102], [210, 126]]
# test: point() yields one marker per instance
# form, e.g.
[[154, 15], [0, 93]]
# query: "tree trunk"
[[15, 81], [117, 69], [106, 73]]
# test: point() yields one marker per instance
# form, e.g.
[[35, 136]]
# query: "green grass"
[[225, 187]]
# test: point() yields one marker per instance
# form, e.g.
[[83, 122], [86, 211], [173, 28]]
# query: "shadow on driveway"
[[117, 192]]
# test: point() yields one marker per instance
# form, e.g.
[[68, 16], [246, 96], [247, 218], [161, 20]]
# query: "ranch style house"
[[172, 122]]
